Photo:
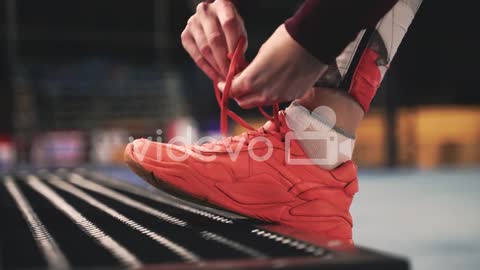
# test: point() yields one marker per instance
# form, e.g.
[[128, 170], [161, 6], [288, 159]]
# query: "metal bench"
[[80, 218]]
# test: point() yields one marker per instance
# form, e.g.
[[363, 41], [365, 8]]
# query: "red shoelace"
[[236, 60]]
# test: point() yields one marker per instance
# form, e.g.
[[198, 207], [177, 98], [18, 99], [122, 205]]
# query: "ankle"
[[348, 112]]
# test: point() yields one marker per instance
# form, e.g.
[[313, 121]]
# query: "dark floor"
[[430, 216]]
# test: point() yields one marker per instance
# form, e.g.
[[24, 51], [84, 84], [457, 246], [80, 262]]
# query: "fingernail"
[[221, 85]]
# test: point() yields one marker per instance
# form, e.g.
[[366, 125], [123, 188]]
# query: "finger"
[[192, 49], [231, 23], [202, 44], [216, 40], [208, 70]]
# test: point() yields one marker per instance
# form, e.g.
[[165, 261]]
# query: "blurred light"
[[8, 153], [107, 146], [59, 149]]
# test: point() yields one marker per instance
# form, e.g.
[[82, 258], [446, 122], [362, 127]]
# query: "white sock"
[[326, 145]]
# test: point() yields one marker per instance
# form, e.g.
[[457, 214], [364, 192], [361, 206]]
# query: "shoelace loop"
[[222, 98]]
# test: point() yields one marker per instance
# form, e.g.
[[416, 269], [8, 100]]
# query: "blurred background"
[[78, 79]]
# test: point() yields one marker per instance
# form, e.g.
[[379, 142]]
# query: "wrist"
[[298, 57]]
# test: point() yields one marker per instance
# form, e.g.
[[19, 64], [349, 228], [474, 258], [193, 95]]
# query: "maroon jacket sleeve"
[[325, 27]]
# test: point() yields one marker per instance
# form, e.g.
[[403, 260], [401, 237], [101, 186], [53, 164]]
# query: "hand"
[[281, 71], [211, 33]]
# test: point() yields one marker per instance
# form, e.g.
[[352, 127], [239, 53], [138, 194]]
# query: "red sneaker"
[[302, 196], [249, 174]]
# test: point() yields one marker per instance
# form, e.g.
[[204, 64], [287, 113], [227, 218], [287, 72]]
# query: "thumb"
[[238, 88]]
